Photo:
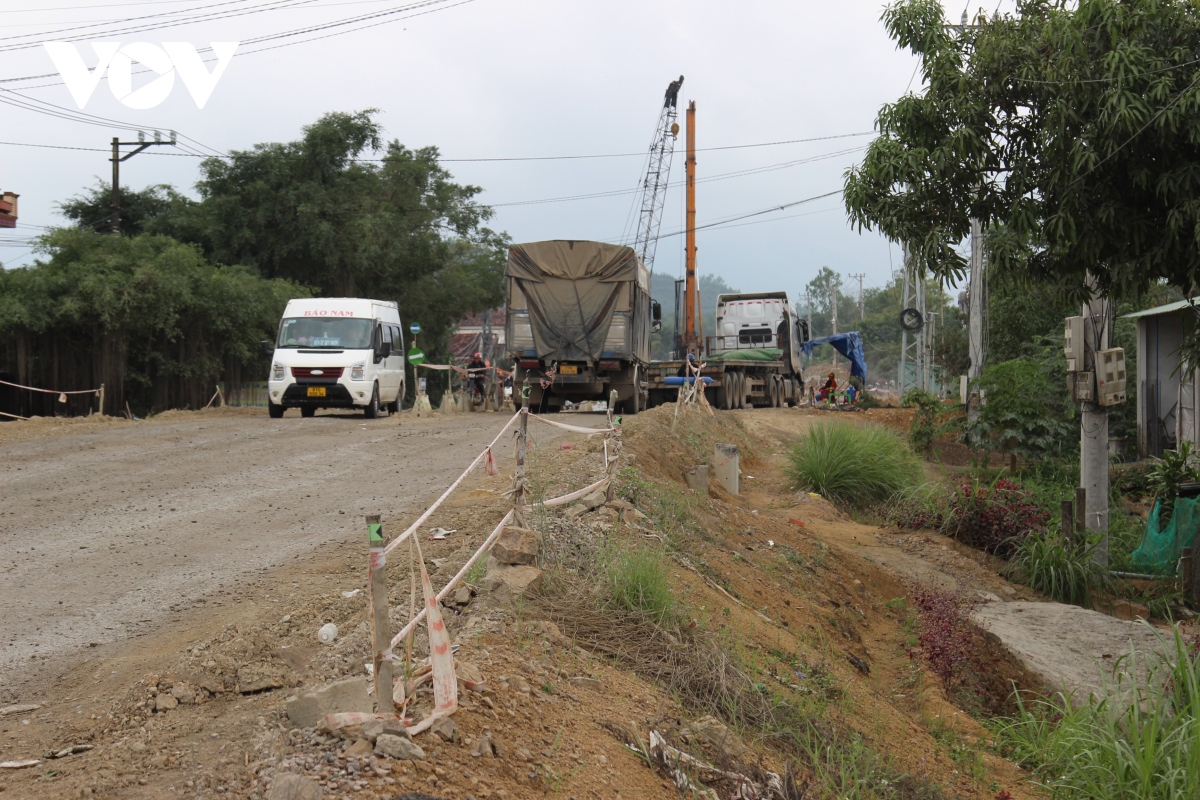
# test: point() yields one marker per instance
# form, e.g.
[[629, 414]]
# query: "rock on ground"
[[295, 787], [1083, 661], [509, 582], [517, 546], [398, 748], [308, 709]]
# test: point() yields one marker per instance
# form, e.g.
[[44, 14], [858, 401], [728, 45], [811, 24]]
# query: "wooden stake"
[[1080, 510], [1187, 569], [519, 477], [381, 629], [1068, 522], [102, 399]]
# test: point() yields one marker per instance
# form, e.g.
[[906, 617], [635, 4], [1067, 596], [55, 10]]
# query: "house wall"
[[1159, 339]]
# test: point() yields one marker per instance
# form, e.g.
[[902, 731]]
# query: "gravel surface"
[[111, 529]]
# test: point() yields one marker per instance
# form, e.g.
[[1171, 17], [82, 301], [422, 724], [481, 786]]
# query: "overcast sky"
[[508, 78]]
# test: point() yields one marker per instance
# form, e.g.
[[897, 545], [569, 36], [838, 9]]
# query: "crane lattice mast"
[[658, 173]]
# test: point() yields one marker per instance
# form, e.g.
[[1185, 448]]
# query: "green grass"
[[639, 579], [854, 465], [1145, 750], [1067, 574]]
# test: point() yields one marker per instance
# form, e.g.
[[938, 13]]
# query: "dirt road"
[[110, 531]]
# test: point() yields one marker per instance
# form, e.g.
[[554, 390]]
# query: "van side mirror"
[[266, 348], [655, 316], [385, 350]]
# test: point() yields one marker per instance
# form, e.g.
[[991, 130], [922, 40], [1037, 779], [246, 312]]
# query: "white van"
[[337, 352]]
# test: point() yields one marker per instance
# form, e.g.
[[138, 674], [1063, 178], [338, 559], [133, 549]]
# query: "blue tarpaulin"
[[848, 344]]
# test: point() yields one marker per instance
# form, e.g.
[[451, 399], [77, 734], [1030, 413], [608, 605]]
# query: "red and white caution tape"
[[483, 548], [429, 512], [445, 684]]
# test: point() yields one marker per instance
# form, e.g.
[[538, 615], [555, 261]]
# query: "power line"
[[719, 177], [42, 36]]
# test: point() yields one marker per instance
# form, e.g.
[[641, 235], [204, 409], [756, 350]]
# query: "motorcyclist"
[[477, 372]]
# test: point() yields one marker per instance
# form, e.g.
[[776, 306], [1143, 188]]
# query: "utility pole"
[[691, 341], [1093, 439], [862, 309], [914, 344], [976, 322], [808, 309], [833, 298], [114, 219]]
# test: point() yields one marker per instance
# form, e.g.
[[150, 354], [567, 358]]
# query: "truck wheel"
[[738, 385], [372, 409], [776, 392], [275, 410], [725, 392], [308, 411]]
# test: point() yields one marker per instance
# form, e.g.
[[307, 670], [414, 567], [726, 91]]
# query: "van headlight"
[[357, 370], [277, 371], [520, 334]]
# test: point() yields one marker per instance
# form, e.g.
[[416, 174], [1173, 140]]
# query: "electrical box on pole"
[[1073, 347], [1110, 376]]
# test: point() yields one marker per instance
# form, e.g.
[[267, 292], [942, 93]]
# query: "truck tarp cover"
[[571, 288], [848, 344], [757, 354]]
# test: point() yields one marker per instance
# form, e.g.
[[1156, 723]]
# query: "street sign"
[[415, 356], [415, 328]]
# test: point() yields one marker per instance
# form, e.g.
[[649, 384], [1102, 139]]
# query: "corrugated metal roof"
[[1167, 309]]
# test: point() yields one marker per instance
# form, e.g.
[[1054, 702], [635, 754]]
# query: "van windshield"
[[339, 333]]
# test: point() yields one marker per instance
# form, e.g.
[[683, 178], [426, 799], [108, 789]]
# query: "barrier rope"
[[52, 391], [429, 512], [575, 428]]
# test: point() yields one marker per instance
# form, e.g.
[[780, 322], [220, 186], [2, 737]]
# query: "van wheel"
[[275, 410], [308, 411], [372, 409], [394, 406]]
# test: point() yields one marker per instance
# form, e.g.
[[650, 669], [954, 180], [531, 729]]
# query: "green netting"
[[761, 354], [1161, 548]]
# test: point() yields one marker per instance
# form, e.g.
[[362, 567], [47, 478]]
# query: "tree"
[[1070, 129], [146, 315], [92, 210], [823, 288], [320, 212]]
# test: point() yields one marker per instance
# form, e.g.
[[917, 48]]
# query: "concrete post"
[[726, 466]]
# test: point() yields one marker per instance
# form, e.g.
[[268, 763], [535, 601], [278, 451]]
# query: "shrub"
[[924, 427], [1166, 475], [947, 638], [638, 580], [1026, 413], [994, 517], [1044, 562], [857, 465], [1140, 743]]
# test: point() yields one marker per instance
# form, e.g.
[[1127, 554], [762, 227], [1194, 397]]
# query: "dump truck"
[[579, 323], [754, 358]]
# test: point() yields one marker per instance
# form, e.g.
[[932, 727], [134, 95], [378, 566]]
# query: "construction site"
[[327, 475]]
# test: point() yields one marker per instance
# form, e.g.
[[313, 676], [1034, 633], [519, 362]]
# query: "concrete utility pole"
[[1093, 439], [808, 307], [975, 322], [833, 298], [862, 309], [114, 217]]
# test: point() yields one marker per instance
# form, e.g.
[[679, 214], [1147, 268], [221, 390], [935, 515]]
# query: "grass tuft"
[[1067, 574], [853, 465], [639, 579]]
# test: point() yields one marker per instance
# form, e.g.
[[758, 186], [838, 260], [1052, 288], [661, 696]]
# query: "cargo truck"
[[754, 358], [579, 322]]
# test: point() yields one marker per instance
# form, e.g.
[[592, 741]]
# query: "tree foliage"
[[1070, 128], [1025, 410], [146, 315]]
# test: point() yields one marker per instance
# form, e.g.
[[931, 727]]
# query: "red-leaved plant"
[[993, 517], [947, 638]]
